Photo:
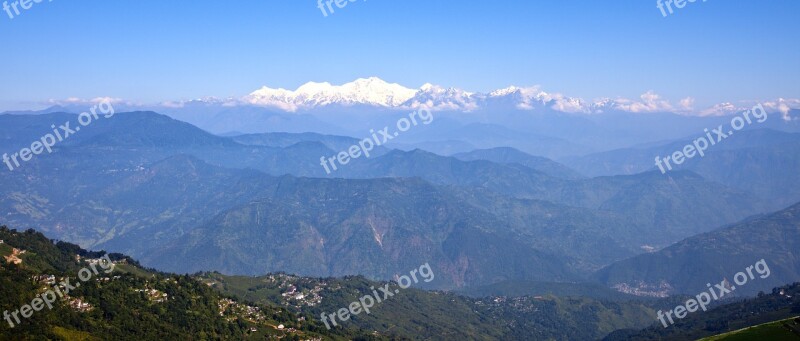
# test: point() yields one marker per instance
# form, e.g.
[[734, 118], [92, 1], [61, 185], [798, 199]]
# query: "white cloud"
[[87, 102], [783, 106], [721, 109], [569, 104], [650, 102], [687, 104]]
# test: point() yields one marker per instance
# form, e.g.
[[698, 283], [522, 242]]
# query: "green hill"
[[783, 330], [419, 314], [126, 302]]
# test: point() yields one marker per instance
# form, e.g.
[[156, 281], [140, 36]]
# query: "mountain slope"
[[122, 301], [677, 205], [394, 223], [687, 266], [417, 314], [118, 207]]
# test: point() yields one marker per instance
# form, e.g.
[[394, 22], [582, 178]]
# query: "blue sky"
[[151, 51]]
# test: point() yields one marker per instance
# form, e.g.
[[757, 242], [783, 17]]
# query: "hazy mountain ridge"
[[286, 232], [760, 161], [704, 205], [710, 257], [507, 155], [133, 187]]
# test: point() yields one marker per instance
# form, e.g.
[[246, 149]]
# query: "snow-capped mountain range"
[[375, 92], [369, 91]]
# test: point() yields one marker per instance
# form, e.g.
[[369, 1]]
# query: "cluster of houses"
[[295, 298], [79, 305], [45, 279], [639, 288], [51, 279], [523, 304], [234, 309], [75, 303], [223, 305], [154, 295], [106, 279]]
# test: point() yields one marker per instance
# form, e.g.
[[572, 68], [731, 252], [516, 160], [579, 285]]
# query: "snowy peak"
[[367, 91], [530, 98], [374, 90], [435, 97]]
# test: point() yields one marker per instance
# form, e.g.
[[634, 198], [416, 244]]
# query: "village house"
[[80, 305]]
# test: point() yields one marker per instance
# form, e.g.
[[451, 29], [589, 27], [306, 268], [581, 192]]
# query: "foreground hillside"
[[129, 302], [782, 330], [125, 302], [419, 314]]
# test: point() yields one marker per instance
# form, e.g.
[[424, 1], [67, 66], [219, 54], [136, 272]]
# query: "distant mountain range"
[[528, 119], [186, 200], [752, 160], [490, 217], [376, 92]]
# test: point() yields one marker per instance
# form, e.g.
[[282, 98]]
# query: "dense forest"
[[130, 303]]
